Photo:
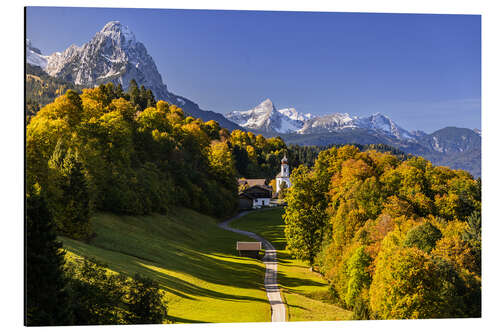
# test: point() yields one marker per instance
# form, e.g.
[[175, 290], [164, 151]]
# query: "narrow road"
[[271, 262]]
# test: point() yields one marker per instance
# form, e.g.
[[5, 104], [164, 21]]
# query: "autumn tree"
[[423, 236], [305, 216], [390, 222]]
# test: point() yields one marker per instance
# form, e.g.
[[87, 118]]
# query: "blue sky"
[[423, 71]]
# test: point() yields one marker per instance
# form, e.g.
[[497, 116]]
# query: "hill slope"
[[193, 260]]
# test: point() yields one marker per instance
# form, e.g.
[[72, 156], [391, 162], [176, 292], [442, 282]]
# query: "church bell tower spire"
[[285, 171]]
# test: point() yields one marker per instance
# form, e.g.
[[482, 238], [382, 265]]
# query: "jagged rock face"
[[328, 123], [113, 55], [266, 118], [383, 123], [34, 55]]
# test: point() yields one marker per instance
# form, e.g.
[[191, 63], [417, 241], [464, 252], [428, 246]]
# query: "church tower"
[[284, 167], [284, 175]]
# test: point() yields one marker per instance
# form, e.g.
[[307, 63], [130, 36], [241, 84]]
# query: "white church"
[[284, 175]]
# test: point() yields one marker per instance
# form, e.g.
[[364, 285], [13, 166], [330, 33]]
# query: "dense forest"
[[395, 238], [124, 152], [307, 155]]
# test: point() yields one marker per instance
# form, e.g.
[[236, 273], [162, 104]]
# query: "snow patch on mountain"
[[294, 115], [265, 117], [112, 55], [379, 122], [34, 56], [115, 30], [327, 123]]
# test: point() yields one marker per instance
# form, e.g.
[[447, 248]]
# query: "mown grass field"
[[305, 292], [194, 261]]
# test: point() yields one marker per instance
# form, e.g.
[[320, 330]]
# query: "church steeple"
[[284, 167], [283, 178]]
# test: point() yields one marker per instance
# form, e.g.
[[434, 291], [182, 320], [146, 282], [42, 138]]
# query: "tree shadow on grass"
[[297, 307], [174, 285], [206, 267], [291, 282], [185, 320]]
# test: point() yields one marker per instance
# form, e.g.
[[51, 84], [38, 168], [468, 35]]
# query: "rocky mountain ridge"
[[265, 117], [115, 55]]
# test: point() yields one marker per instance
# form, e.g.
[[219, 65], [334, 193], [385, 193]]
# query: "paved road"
[[271, 278]]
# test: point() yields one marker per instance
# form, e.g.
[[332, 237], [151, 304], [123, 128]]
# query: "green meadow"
[[305, 292], [192, 259]]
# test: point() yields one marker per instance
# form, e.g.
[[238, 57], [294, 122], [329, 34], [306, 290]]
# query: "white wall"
[[278, 183], [259, 202]]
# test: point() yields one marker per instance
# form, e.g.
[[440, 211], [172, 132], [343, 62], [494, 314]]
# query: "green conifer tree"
[[77, 200], [133, 92], [47, 300]]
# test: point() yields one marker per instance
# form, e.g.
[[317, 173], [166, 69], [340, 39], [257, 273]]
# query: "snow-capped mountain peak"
[[119, 32], [256, 118], [293, 114], [265, 117], [327, 123], [380, 122], [266, 106], [112, 55], [115, 55]]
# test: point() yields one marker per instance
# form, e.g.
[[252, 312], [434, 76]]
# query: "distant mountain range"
[[266, 118], [114, 55], [459, 148]]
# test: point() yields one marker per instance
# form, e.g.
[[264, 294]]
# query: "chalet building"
[[245, 201], [248, 249], [284, 175], [252, 182], [257, 196]]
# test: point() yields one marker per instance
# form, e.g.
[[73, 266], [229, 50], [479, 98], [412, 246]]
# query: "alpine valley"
[[114, 55]]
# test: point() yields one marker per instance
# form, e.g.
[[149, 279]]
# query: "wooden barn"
[[249, 249]]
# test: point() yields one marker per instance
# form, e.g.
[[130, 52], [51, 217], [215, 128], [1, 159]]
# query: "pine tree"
[[150, 99], [77, 200], [133, 91], [143, 97], [47, 301]]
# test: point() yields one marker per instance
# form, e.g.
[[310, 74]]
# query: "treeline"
[[80, 293], [42, 89], [307, 155], [255, 156], [100, 151], [395, 238]]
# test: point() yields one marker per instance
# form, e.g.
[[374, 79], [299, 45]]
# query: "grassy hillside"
[[305, 292], [191, 258]]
